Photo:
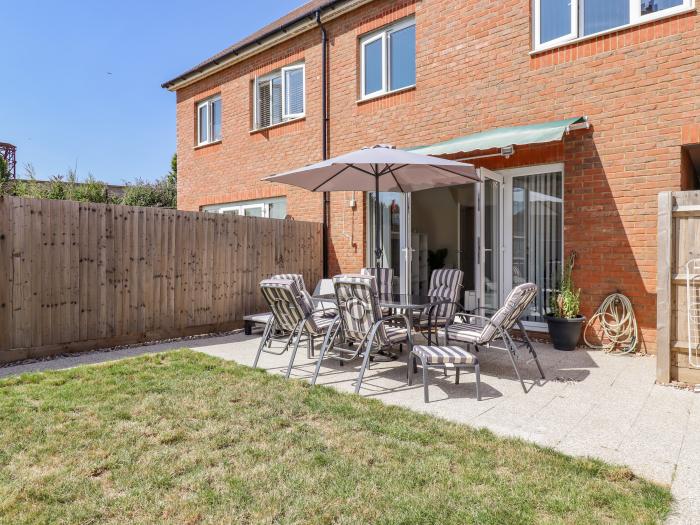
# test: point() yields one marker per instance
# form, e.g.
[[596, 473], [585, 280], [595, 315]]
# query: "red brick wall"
[[474, 72]]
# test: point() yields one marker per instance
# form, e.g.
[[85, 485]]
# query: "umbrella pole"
[[378, 231]]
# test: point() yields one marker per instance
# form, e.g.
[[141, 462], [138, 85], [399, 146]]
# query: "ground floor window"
[[274, 208]]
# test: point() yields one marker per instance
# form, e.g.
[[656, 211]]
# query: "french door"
[[490, 246], [395, 225], [521, 236]]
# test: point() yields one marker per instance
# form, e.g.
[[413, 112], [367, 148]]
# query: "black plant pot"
[[565, 333]]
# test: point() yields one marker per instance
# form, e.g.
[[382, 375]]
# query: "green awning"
[[502, 137]]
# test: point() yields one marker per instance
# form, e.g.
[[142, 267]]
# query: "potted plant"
[[565, 321]]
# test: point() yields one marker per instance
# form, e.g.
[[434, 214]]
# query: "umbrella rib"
[[455, 173], [361, 170], [396, 180], [332, 177]]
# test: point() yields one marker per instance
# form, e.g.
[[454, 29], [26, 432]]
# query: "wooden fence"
[[78, 276], [679, 242]]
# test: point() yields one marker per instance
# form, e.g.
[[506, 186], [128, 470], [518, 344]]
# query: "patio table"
[[409, 303]]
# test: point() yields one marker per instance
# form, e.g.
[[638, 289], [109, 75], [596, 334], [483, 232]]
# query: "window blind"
[[294, 91]]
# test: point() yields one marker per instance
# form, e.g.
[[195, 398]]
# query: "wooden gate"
[[679, 242]]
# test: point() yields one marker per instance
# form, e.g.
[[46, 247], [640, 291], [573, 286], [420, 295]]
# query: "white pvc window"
[[388, 59], [559, 21], [275, 208], [280, 96], [209, 121]]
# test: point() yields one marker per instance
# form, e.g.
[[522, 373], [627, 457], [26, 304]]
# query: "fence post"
[[663, 288]]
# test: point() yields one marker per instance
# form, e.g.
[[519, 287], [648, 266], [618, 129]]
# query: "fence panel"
[[678, 242], [78, 276]]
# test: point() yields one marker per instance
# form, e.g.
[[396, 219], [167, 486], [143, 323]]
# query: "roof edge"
[[287, 31]]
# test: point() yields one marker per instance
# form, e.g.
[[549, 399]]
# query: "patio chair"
[[483, 332], [327, 309], [293, 316], [444, 284], [361, 324], [325, 287], [385, 278]]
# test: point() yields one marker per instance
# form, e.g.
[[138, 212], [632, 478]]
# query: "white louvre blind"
[[294, 91], [263, 104]]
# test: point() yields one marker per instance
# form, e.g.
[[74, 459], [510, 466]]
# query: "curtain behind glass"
[[538, 236]]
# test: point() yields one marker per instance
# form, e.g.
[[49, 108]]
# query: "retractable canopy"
[[503, 137]]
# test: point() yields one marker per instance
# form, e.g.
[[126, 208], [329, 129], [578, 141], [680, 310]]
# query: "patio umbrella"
[[379, 168]]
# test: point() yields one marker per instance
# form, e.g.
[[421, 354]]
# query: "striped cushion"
[[437, 355], [319, 323], [301, 286], [384, 276], [289, 306], [396, 334], [465, 332], [445, 283], [517, 301]]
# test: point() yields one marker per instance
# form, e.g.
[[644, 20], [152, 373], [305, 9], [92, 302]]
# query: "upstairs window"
[[388, 59], [209, 121], [558, 21], [280, 96]]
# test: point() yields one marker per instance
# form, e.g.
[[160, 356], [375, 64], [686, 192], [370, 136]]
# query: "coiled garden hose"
[[617, 326]]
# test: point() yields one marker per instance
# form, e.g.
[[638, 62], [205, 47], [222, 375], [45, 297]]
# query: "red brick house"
[[579, 111]]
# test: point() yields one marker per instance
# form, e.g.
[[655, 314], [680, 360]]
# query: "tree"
[[160, 194], [4, 176]]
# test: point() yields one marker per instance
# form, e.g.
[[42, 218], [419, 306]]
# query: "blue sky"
[[80, 80]]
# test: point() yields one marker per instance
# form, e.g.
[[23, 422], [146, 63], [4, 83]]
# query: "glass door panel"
[[392, 220], [490, 243], [537, 238]]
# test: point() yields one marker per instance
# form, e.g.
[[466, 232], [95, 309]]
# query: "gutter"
[[286, 32]]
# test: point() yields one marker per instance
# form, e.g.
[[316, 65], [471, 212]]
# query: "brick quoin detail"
[[475, 71]]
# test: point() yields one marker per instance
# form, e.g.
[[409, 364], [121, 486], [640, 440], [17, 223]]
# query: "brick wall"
[[474, 72]]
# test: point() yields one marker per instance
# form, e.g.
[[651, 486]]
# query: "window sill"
[[371, 98], [278, 125], [647, 20], [207, 144]]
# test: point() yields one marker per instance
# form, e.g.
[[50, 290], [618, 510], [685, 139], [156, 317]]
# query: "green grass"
[[185, 438]]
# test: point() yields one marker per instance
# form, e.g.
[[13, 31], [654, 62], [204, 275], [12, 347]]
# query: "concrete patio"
[[591, 404]]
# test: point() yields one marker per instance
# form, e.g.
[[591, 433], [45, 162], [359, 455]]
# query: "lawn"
[[185, 438]]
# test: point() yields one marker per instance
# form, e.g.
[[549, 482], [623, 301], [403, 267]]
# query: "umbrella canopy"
[[379, 168]]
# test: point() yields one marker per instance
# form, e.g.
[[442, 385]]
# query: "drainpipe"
[[324, 134]]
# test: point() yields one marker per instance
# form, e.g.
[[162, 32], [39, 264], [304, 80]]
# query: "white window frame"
[[557, 41], [384, 35], [240, 209], [208, 103], [577, 21], [286, 117]]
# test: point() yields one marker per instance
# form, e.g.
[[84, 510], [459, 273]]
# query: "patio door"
[[490, 248], [395, 225]]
